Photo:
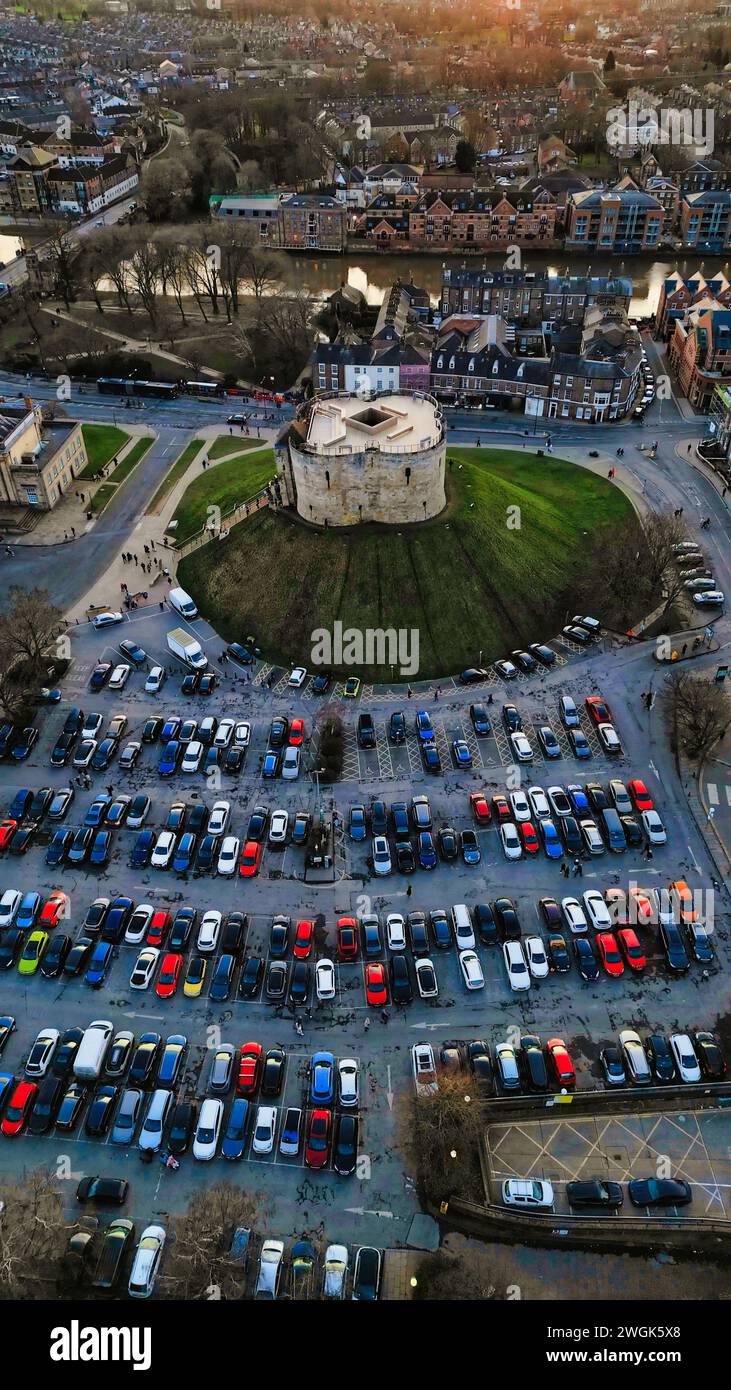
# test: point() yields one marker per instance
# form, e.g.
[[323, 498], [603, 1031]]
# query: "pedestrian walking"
[[409, 891], [110, 790], [147, 549], [384, 1016], [366, 1024], [162, 606], [409, 691], [152, 543], [648, 852], [690, 446], [73, 530], [134, 557]]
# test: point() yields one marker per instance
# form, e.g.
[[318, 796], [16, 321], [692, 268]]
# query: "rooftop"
[[399, 422]]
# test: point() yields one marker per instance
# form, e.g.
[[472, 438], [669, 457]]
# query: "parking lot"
[[585, 1015], [692, 1145]]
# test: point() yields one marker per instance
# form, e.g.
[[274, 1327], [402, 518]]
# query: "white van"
[[93, 1047], [182, 603]]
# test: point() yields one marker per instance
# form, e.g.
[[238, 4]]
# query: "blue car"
[[184, 853], [56, 852], [424, 730], [461, 753], [579, 802], [142, 849], [100, 848], [20, 804], [97, 811], [170, 729], [30, 906], [234, 1140], [430, 757], [357, 825], [551, 841], [322, 1078], [169, 758], [270, 766], [579, 744], [99, 964], [470, 846], [427, 850]]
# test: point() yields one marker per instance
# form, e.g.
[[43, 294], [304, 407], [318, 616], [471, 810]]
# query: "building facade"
[[38, 460]]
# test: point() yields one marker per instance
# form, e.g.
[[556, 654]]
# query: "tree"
[[143, 273], [29, 627], [610, 62], [445, 1131], [444, 1276], [465, 156], [61, 252], [33, 1236], [112, 248], [698, 712], [198, 1265], [166, 187]]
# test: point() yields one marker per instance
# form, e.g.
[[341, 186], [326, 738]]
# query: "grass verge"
[[102, 442]]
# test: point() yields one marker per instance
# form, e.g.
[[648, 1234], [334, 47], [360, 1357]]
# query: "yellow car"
[[33, 953], [195, 976], [351, 689]]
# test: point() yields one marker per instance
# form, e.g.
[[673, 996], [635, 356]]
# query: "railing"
[[228, 519]]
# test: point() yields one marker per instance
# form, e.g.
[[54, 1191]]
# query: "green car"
[[33, 952]]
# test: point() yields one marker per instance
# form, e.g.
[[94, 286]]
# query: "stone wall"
[[372, 485]]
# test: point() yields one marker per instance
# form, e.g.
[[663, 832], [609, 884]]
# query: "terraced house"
[[677, 294], [700, 350], [525, 297], [490, 219]]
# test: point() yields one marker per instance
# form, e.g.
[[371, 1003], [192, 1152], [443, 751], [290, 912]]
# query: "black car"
[[441, 930], [710, 1056], [569, 828], [77, 958], [182, 1127], [234, 1139], [258, 822], [278, 731], [55, 956], [397, 728], [100, 1111], [533, 1063], [96, 1189], [70, 1107], [321, 683], [40, 803], [632, 832], [117, 918], [46, 1105], [480, 1061], [400, 819], [699, 943], [512, 719], [595, 1192], [279, 936], [416, 922], [480, 721], [182, 926], [197, 818], [24, 744], [11, 944], [401, 990], [22, 839], [472, 675], [190, 683], [672, 944], [551, 913], [65, 1053], [430, 757], [176, 816], [8, 738], [598, 798], [366, 731], [659, 1192], [21, 804], [272, 1076], [234, 931], [448, 844], [379, 818], [485, 925], [145, 1059], [250, 980], [275, 986], [546, 655], [152, 730], [131, 652], [507, 919], [142, 849], [233, 759], [299, 984], [558, 956], [222, 979], [345, 1147], [524, 661], [61, 749], [241, 655], [585, 959], [613, 1066], [301, 827], [660, 1057], [207, 853]]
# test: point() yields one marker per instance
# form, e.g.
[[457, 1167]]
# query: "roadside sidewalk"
[[68, 519], [687, 449]]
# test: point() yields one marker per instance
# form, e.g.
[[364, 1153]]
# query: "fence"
[[228, 519]]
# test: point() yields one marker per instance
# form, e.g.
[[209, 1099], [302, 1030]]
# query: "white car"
[[597, 910], [521, 748], [539, 803], [654, 828], [534, 1194], [146, 1262], [424, 1068], [574, 915], [39, 1057], [521, 806], [270, 1266], [278, 827], [92, 725], [192, 756], [208, 932], [242, 734], [164, 849], [469, 964], [228, 859], [144, 968], [711, 599], [154, 1122], [9, 904], [395, 931], [118, 678], [464, 932], [219, 818], [381, 856], [609, 738], [155, 680], [510, 840], [662, 907], [336, 1271], [507, 669], [325, 979], [208, 1129], [426, 978], [348, 1081], [291, 764], [298, 676], [559, 802], [518, 972], [569, 713], [537, 960], [224, 733], [685, 1057], [591, 836], [138, 924], [264, 1129], [108, 619], [84, 752]]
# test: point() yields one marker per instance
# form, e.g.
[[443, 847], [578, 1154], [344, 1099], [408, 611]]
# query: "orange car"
[[682, 898], [7, 830], [296, 731], [640, 907], [631, 949], [480, 808], [53, 910]]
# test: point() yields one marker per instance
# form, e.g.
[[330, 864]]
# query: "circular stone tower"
[[346, 459]]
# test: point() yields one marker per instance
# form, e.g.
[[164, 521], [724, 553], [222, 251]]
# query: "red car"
[[375, 985], [304, 939], [157, 930], [167, 980], [631, 949], [317, 1143], [640, 907], [480, 808], [560, 1062], [640, 795], [609, 952], [598, 709], [7, 830], [528, 837], [347, 939], [21, 1103], [296, 731], [52, 911], [249, 1068], [250, 859], [501, 808]]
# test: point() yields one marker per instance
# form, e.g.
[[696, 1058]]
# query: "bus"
[[129, 386], [204, 389]]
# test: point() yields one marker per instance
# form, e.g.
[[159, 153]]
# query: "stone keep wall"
[[374, 485]]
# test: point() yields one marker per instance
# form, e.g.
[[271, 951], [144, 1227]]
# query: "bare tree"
[[113, 247], [444, 1133], [199, 1265], [33, 1236], [173, 270], [60, 251], [28, 630], [143, 271], [662, 531], [468, 1274], [698, 712]]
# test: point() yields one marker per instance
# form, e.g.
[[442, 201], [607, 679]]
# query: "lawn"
[[102, 497], [102, 443], [231, 444], [223, 485], [480, 578], [131, 459], [175, 473]]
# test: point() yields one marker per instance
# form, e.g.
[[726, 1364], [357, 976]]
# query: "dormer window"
[[471, 365], [451, 364], [440, 363]]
